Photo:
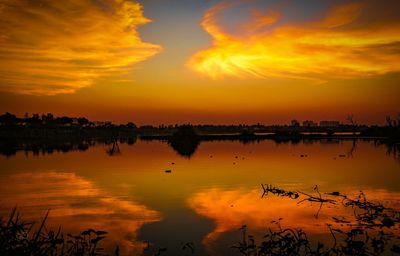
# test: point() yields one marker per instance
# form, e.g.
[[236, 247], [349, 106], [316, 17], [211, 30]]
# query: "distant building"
[[329, 123], [75, 121], [309, 123], [102, 123]]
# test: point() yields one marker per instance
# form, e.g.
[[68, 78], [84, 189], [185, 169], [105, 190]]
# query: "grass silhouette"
[[21, 238], [373, 231]]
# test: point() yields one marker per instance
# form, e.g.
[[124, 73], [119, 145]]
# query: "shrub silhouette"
[[185, 140]]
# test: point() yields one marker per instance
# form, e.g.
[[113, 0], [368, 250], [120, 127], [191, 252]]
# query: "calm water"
[[205, 199]]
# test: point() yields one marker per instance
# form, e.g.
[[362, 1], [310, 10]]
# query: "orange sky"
[[214, 62]]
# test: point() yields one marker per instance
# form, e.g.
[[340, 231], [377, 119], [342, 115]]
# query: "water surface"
[[204, 200]]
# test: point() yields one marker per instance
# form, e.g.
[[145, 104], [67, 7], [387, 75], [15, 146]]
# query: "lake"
[[147, 196]]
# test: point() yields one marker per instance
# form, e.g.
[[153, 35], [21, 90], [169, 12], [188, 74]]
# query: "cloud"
[[49, 47], [351, 40]]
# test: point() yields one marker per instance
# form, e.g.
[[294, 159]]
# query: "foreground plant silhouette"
[[374, 230], [21, 238], [295, 242]]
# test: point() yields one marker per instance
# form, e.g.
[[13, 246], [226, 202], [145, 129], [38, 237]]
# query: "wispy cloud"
[[49, 47], [357, 39]]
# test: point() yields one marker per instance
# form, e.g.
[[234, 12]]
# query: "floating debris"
[[190, 246], [335, 193], [277, 191], [318, 199], [340, 220], [357, 239]]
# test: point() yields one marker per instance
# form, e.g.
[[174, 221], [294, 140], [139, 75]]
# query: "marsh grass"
[[374, 231], [21, 238]]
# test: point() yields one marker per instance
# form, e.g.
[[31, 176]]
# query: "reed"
[[21, 238]]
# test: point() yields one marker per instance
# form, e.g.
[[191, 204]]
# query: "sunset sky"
[[211, 61]]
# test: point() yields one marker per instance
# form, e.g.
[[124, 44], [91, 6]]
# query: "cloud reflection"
[[230, 209], [76, 204]]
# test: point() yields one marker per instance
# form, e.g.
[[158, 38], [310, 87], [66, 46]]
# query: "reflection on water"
[[76, 203], [9, 148], [229, 209], [184, 144], [205, 198]]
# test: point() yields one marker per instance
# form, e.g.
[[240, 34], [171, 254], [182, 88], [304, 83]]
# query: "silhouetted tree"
[[114, 149], [83, 121], [64, 120], [350, 119], [185, 140], [8, 119], [389, 121], [130, 125], [295, 123], [247, 136], [47, 118]]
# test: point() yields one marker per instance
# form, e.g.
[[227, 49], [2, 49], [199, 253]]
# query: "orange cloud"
[[345, 43], [51, 47]]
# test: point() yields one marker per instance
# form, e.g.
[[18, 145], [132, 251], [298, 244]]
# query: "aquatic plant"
[[21, 238], [372, 233], [277, 191]]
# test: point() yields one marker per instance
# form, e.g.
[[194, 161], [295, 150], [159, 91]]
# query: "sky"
[[189, 61]]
